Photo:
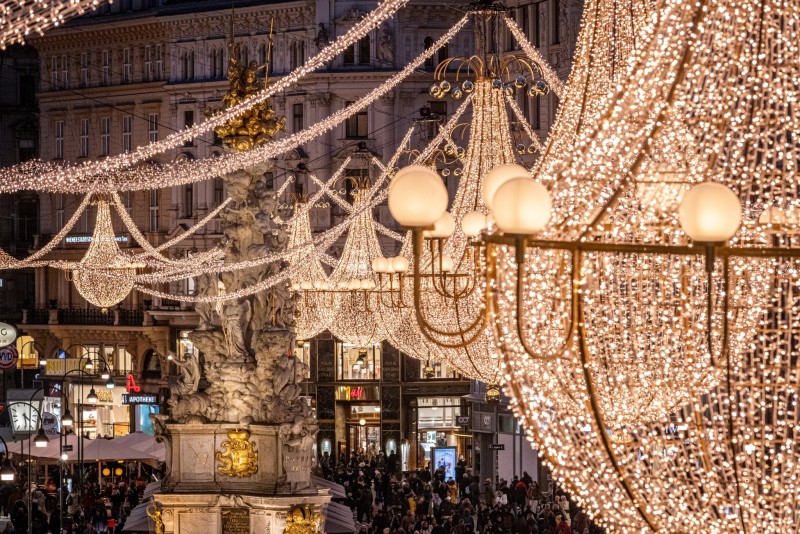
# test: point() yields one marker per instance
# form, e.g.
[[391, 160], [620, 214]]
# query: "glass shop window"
[[358, 363]]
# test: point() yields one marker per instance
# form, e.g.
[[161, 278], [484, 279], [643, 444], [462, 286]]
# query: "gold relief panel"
[[238, 457]]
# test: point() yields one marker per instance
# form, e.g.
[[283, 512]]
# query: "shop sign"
[[463, 420], [8, 334], [89, 239], [105, 395], [139, 398], [497, 446], [49, 423], [130, 385], [356, 393], [8, 357]]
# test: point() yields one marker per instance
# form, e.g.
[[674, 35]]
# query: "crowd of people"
[[386, 500], [98, 509]]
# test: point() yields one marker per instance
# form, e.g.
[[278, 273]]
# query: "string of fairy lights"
[[21, 18]]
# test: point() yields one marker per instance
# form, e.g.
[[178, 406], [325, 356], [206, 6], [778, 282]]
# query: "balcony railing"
[[84, 316], [61, 366]]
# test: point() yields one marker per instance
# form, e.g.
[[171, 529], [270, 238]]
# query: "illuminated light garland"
[[20, 18], [348, 208], [100, 176], [52, 244], [185, 172], [373, 197], [550, 76], [195, 227], [725, 459]]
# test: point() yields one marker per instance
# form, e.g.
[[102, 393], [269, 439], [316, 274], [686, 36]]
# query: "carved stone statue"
[[162, 435], [386, 45], [297, 440], [235, 318], [323, 37], [189, 377], [207, 288]]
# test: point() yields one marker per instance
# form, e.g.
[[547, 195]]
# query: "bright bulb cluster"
[[20, 18]]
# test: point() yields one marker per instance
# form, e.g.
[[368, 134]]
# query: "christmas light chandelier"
[[104, 277], [665, 238], [445, 291]]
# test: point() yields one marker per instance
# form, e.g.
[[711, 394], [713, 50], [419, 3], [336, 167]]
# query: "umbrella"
[[52, 451]]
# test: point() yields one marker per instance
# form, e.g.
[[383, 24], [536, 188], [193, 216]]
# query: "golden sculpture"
[[154, 513], [257, 125], [302, 520], [238, 457]]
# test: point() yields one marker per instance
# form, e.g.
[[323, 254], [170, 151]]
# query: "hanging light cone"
[[104, 277], [489, 146], [314, 310], [355, 320]]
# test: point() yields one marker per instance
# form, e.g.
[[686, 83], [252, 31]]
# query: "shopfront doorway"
[[363, 431]]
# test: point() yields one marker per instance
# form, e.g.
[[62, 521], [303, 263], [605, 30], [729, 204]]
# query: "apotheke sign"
[[139, 398]]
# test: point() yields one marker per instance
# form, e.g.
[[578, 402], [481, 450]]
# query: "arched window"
[[152, 365], [191, 65], [443, 54], [428, 43], [262, 54], [184, 66], [363, 51], [244, 55], [212, 62]]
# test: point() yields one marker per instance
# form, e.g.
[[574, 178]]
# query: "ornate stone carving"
[[257, 125], [238, 456], [323, 37], [297, 440], [154, 513], [162, 435], [386, 45], [302, 520]]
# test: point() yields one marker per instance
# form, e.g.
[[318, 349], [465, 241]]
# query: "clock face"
[[24, 416]]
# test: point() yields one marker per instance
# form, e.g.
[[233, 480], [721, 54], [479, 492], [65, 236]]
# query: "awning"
[[337, 490], [138, 520], [339, 519]]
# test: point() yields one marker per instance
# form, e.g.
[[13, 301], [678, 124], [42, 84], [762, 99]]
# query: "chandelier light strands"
[[313, 313], [8, 262], [648, 367], [550, 76], [353, 283], [101, 176], [650, 288], [20, 18], [104, 255]]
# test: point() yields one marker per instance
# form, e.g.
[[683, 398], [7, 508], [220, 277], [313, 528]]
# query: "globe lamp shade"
[[443, 227], [522, 206], [399, 264], [710, 213], [417, 197], [91, 398], [499, 175], [380, 265], [473, 223]]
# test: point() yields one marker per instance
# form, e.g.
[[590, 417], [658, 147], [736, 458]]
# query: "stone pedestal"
[[197, 497], [208, 513]]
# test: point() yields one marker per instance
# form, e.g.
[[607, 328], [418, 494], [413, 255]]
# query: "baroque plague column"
[[239, 452]]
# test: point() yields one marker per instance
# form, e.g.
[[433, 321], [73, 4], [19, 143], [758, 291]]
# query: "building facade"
[[134, 71]]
